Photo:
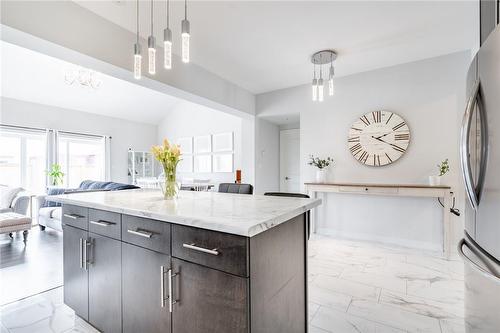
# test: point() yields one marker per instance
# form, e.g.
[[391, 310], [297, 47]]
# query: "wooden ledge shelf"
[[402, 190]]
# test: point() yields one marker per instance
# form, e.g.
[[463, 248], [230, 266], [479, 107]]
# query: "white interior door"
[[289, 160]]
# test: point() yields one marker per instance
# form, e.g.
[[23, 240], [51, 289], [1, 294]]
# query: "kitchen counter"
[[238, 214], [204, 263]]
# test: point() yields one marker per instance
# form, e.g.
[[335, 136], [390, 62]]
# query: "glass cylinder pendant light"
[[315, 86], [321, 86], [167, 41], [330, 80], [185, 35], [137, 49], [151, 47], [321, 58]]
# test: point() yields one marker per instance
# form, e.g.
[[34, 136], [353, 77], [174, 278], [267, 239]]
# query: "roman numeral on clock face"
[[398, 126], [363, 157], [389, 119], [353, 139], [404, 137], [390, 160], [376, 159], [377, 116], [355, 149], [365, 120], [398, 148]]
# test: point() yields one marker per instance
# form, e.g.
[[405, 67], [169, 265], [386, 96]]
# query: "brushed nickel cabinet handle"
[[81, 253], [162, 286], [102, 223], [73, 216], [192, 246], [171, 300], [85, 243], [142, 233]]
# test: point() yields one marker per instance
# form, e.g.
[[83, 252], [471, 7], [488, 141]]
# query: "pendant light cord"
[[168, 14], [137, 20], [152, 2], [185, 9]]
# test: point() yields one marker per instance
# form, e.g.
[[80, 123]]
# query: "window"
[[23, 158], [81, 157]]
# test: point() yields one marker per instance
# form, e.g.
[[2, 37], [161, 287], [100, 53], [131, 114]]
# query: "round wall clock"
[[379, 138]]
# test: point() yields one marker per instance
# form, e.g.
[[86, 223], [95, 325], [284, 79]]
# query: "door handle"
[[171, 300], [192, 246], [287, 178], [475, 266], [142, 233], [102, 223], [464, 146]]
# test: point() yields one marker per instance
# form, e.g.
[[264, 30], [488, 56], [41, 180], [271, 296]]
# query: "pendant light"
[[321, 86], [167, 41], [330, 79], [137, 49], [318, 85], [185, 35], [314, 86], [151, 47]]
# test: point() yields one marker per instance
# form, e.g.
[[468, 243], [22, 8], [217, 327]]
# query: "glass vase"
[[169, 185]]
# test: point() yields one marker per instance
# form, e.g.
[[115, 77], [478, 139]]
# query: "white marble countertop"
[[239, 214]]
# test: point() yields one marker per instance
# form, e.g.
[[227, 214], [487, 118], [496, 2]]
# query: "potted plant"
[[169, 156], [443, 169], [321, 165], [56, 175]]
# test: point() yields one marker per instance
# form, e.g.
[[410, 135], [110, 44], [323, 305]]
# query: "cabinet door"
[[208, 300], [75, 273], [145, 304], [105, 284]]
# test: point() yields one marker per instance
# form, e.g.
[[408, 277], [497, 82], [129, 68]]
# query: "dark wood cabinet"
[[145, 290], [75, 271], [129, 274], [208, 300], [105, 302]]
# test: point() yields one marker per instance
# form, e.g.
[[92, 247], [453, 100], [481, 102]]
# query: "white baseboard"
[[408, 243]]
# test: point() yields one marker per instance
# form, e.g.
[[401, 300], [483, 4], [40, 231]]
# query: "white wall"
[[430, 95], [267, 156], [125, 134], [189, 120]]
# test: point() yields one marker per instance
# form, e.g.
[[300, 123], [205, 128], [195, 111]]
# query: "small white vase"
[[434, 180], [321, 176]]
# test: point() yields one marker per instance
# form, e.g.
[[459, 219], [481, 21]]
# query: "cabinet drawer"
[[217, 250], [151, 234], [105, 223], [75, 216], [370, 190]]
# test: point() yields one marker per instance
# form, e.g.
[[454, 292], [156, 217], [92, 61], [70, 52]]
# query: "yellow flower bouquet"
[[169, 156]]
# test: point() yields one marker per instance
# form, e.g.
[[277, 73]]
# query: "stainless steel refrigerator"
[[480, 159]]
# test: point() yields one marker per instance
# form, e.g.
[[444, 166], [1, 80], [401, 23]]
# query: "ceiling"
[[265, 45], [38, 78]]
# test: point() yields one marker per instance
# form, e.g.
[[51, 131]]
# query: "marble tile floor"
[[353, 287]]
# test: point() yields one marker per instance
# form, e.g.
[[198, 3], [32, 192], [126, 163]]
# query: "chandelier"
[[320, 59], [83, 77]]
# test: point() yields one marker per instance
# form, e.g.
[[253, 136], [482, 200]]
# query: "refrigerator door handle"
[[464, 146], [484, 146], [471, 263]]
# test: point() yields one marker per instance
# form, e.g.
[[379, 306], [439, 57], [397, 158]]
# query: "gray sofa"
[[49, 213]]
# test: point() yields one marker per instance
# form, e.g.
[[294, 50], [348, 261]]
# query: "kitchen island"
[[206, 262]]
